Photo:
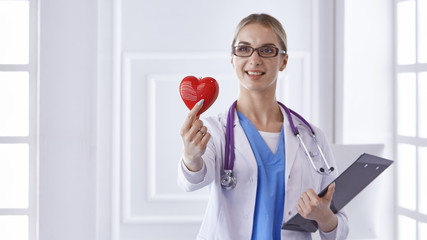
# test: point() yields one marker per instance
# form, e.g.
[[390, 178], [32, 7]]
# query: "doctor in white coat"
[[259, 53]]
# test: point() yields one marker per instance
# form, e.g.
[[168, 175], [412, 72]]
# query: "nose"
[[255, 58]]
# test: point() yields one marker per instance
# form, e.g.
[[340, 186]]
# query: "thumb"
[[330, 193]]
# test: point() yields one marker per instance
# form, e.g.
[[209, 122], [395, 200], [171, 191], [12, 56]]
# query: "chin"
[[257, 85]]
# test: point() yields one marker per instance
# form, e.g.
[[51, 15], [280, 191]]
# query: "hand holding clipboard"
[[347, 185]]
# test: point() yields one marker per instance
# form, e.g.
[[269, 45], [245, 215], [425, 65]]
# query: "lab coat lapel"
[[242, 143], [291, 146]]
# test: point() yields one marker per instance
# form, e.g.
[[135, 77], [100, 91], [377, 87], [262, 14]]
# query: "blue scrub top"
[[270, 197]]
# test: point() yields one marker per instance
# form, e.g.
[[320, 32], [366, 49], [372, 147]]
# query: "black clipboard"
[[347, 185]]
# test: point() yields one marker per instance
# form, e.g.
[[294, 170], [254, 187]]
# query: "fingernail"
[[200, 102]]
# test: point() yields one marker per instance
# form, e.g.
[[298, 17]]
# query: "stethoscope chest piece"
[[228, 181]]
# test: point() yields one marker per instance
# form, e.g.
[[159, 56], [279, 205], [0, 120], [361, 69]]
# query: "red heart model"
[[193, 89]]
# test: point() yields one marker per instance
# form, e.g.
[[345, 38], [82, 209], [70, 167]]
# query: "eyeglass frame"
[[256, 49]]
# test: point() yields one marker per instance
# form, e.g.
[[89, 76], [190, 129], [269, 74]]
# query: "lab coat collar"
[[291, 145]]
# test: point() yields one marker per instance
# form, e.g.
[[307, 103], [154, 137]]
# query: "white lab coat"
[[229, 214]]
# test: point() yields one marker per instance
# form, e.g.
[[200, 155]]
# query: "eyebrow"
[[267, 44]]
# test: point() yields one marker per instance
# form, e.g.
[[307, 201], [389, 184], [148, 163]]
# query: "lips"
[[255, 73]]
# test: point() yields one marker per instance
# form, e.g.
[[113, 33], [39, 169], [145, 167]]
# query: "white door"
[[156, 44]]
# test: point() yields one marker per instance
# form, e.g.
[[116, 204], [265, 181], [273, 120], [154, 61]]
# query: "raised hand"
[[195, 139]]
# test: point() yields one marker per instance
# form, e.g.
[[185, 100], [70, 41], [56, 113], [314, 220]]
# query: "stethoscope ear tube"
[[307, 153], [330, 169]]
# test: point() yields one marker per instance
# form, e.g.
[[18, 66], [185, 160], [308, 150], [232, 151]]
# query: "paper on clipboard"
[[347, 185]]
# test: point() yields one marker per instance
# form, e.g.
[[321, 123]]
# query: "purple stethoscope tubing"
[[229, 140]]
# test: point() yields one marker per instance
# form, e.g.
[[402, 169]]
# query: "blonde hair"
[[265, 20]]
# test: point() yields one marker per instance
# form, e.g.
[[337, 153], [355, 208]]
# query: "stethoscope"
[[228, 180]]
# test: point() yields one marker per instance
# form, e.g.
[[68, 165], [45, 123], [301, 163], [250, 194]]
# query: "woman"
[[274, 179]]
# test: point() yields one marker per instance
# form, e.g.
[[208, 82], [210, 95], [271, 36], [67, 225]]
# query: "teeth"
[[255, 73]]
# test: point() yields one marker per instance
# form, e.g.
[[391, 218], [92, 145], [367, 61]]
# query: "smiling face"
[[256, 73]]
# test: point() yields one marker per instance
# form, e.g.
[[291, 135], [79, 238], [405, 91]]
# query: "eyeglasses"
[[266, 51]]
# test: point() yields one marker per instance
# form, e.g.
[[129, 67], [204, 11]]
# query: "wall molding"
[[148, 79]]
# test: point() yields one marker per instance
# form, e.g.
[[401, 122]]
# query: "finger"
[[301, 201], [199, 135], [191, 116], [312, 196], [300, 210], [311, 193], [330, 193], [305, 197], [205, 140], [196, 108], [194, 129], [304, 204]]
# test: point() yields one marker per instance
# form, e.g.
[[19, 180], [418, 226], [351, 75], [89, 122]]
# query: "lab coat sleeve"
[[193, 177], [341, 231]]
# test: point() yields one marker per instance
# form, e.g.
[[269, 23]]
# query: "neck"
[[262, 110]]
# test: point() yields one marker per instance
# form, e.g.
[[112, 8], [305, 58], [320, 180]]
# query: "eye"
[[243, 49], [268, 50]]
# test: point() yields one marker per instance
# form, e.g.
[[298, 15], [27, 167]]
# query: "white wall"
[[367, 83], [365, 93], [68, 75]]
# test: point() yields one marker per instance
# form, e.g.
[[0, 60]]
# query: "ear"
[[284, 63]]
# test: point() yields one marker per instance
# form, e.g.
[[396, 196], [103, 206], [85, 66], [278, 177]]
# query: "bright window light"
[[422, 230], [406, 104], [422, 181], [14, 227], [406, 176], [422, 31], [14, 32], [14, 182], [422, 105], [14, 103], [406, 32], [407, 228]]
